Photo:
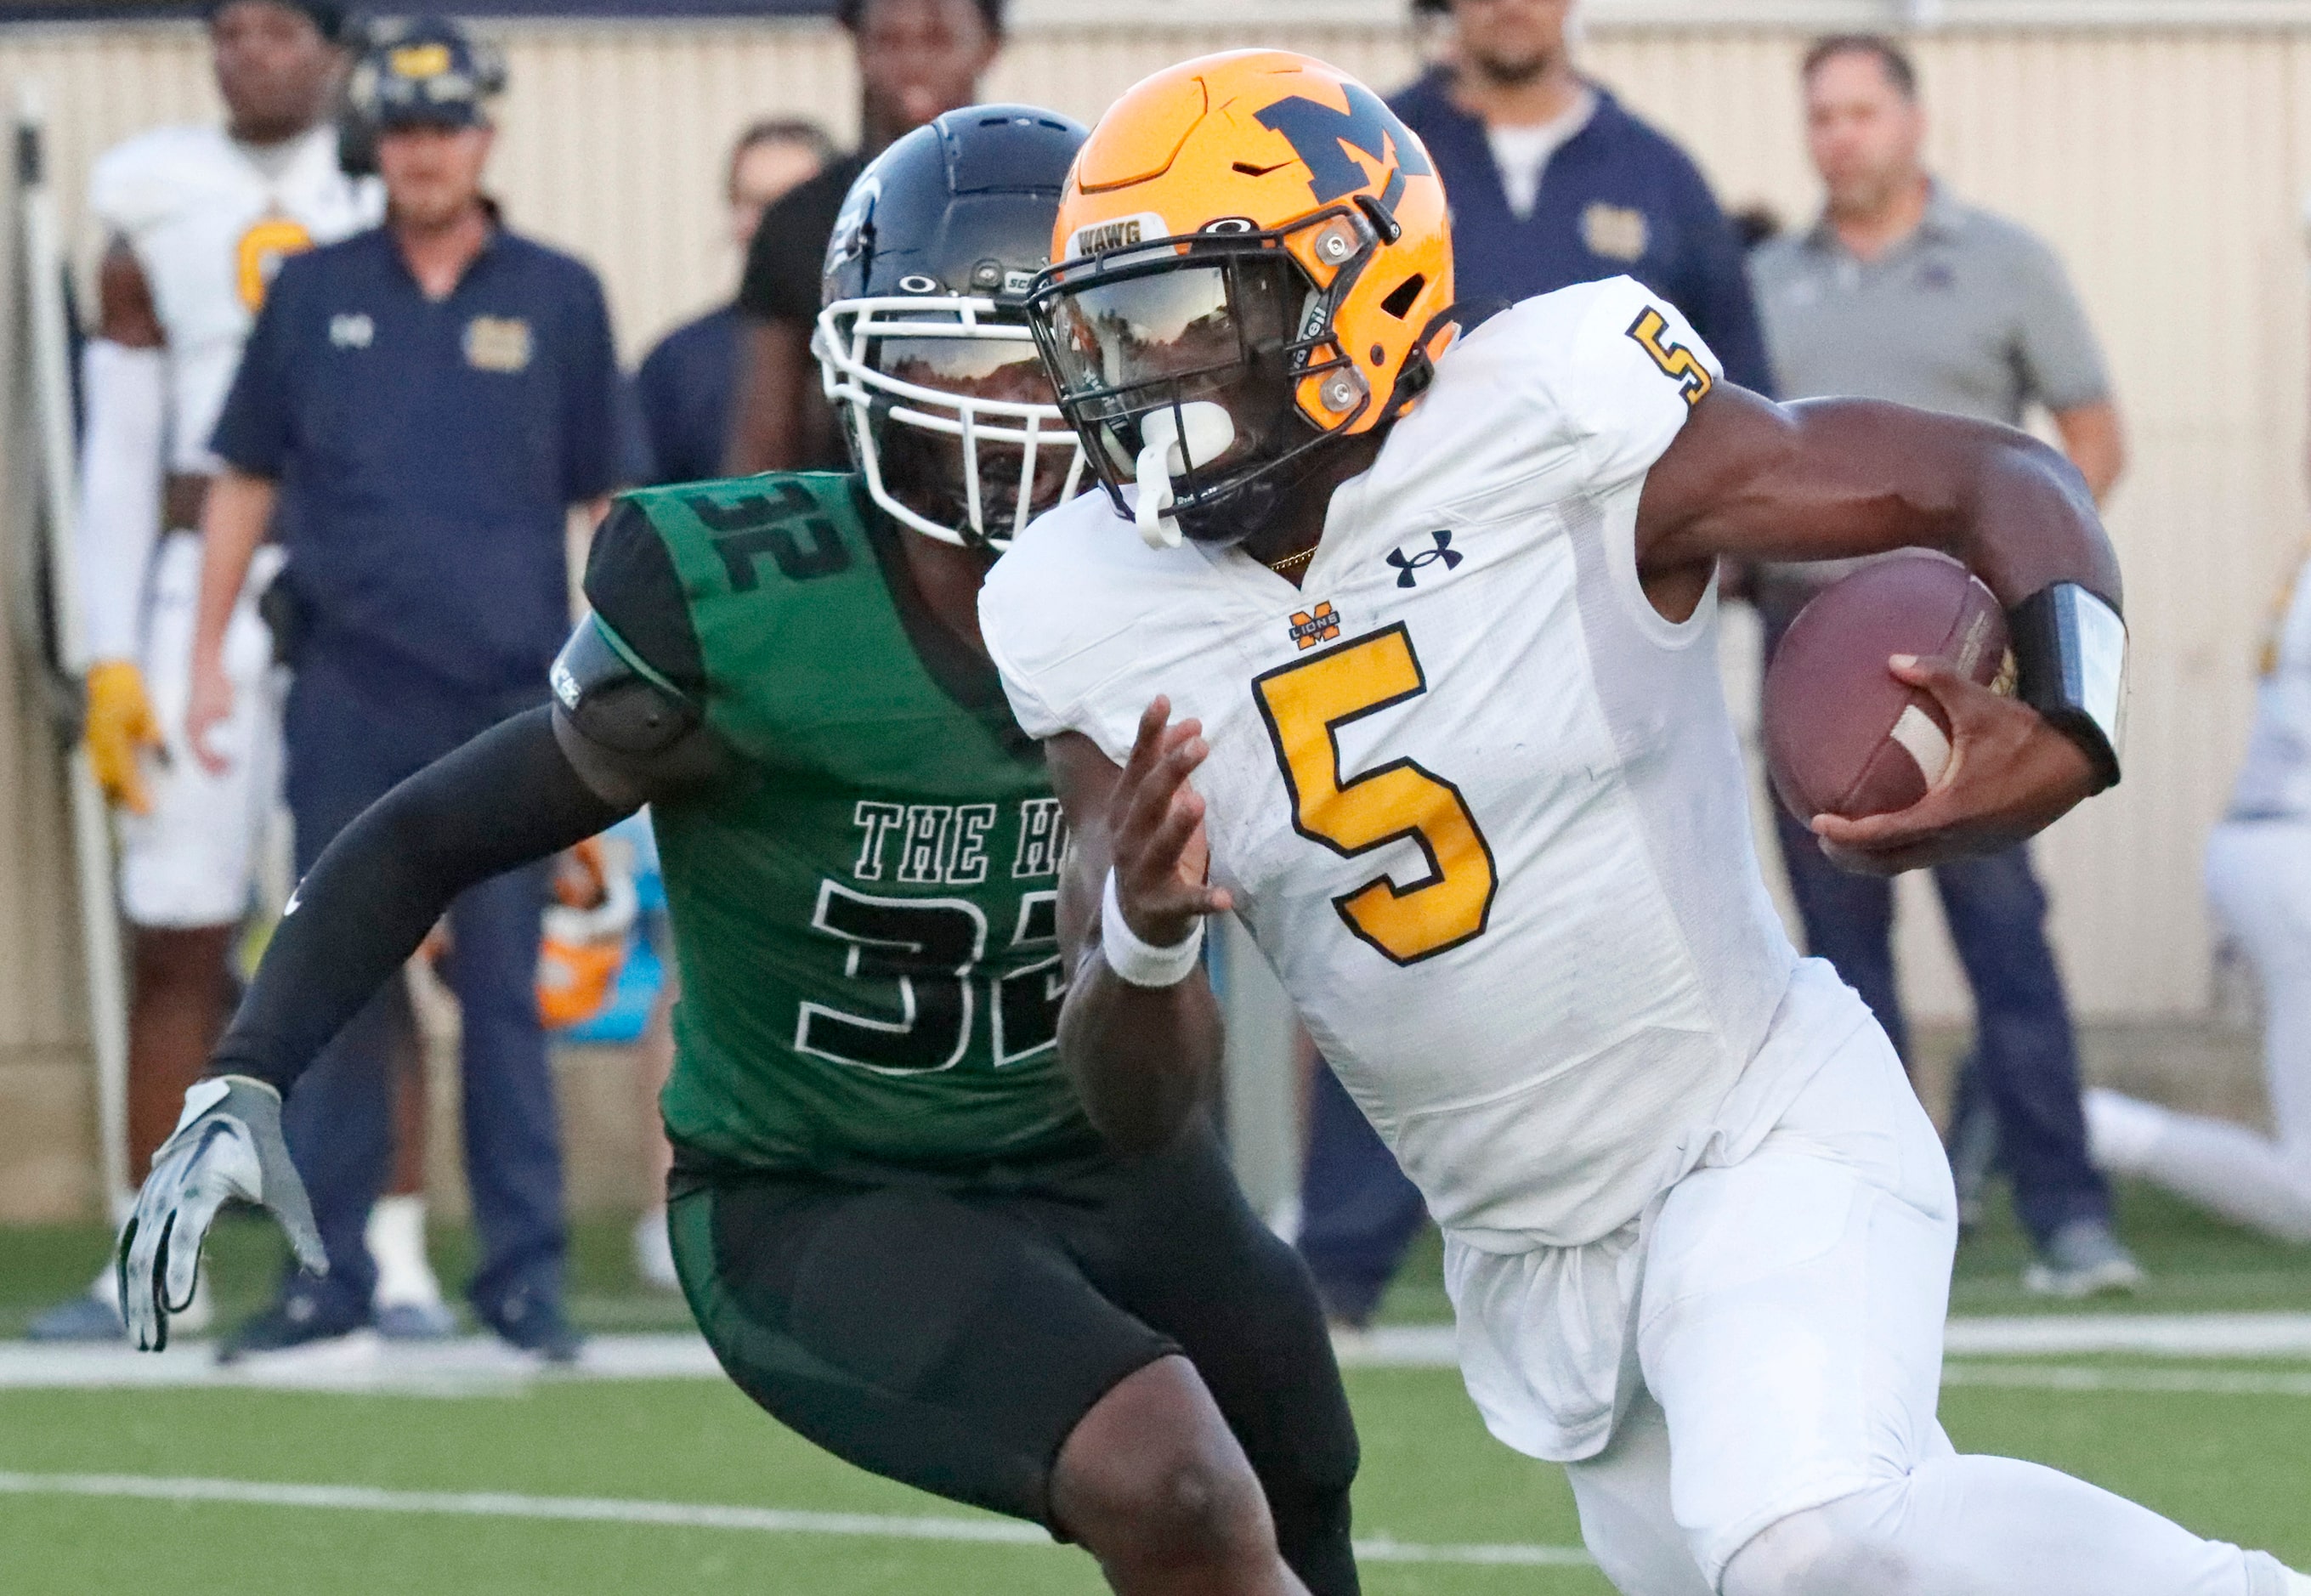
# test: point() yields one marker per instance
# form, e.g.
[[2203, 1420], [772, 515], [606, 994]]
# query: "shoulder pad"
[[141, 180], [614, 698]]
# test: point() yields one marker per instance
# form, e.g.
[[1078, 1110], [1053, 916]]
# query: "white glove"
[[227, 1144]]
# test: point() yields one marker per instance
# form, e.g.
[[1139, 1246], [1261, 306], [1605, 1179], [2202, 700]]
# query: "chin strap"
[[1419, 368], [1172, 440]]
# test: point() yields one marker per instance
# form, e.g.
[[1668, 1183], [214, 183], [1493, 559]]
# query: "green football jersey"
[[863, 898]]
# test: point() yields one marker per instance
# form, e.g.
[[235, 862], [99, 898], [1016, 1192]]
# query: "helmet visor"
[[978, 368], [932, 466], [1217, 330], [951, 413]]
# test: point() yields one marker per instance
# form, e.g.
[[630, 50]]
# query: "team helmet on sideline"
[[922, 343], [1252, 260]]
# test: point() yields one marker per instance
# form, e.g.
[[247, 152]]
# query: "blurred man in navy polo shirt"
[[1551, 183], [683, 389], [418, 408]]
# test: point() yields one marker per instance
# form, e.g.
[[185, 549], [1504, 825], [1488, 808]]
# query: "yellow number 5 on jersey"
[[1675, 359], [259, 254], [1305, 703]]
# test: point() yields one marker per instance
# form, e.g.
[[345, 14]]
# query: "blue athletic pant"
[[350, 736], [2026, 1055], [1358, 1213]]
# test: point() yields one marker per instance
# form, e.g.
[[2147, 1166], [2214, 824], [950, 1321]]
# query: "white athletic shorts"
[[192, 860], [1774, 1322]]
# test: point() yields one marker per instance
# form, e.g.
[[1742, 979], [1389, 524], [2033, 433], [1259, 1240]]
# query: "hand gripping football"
[[1842, 735]]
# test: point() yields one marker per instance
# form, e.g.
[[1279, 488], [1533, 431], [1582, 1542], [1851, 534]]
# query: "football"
[[1842, 735]]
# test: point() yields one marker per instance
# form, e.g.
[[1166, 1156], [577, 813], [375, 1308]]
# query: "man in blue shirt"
[[683, 391], [1551, 182], [417, 409]]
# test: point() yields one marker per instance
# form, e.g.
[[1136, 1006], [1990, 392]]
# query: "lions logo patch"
[[1313, 626], [498, 343]]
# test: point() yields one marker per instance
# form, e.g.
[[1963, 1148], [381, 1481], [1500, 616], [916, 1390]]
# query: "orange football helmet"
[[1253, 259], [583, 946]]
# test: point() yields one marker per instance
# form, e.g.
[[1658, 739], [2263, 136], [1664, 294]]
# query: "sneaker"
[[415, 1321], [87, 1318], [529, 1324], [2083, 1258], [654, 1252], [95, 1316], [302, 1316]]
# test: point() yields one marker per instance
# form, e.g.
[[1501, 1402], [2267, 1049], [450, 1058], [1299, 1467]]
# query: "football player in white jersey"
[[2259, 879], [197, 219], [1439, 620]]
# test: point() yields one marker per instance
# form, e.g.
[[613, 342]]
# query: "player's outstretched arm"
[[124, 380], [1139, 1032], [1749, 480], [506, 798], [1827, 479]]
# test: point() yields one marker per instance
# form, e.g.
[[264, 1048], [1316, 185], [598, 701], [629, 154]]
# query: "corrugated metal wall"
[[2169, 167]]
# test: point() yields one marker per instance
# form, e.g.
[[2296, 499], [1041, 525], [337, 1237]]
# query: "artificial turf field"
[[2228, 1451]]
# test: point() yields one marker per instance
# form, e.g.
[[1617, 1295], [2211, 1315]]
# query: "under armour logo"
[[1406, 564]]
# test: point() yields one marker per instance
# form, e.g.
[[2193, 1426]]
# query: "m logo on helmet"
[[1323, 137]]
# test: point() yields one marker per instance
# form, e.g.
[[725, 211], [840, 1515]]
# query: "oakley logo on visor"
[[1096, 238]]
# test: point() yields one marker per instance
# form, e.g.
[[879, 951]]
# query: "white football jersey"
[[2275, 780], [1480, 805], [209, 225]]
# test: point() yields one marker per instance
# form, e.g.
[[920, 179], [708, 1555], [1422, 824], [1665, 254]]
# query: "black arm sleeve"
[[506, 798]]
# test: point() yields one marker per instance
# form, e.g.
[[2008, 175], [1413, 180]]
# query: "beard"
[[1504, 71], [1863, 194]]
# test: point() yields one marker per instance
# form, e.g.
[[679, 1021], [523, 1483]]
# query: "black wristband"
[[2069, 658]]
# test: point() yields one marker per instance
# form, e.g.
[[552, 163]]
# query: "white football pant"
[[2259, 876], [192, 860], [1786, 1442]]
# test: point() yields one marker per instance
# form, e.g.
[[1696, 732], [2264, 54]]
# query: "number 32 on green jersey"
[[917, 960]]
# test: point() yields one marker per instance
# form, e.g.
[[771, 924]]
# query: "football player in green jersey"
[[891, 1218]]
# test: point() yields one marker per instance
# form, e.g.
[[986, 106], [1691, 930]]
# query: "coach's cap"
[[329, 19], [425, 70]]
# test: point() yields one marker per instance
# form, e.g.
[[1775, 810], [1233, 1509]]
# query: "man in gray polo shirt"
[[1902, 292]]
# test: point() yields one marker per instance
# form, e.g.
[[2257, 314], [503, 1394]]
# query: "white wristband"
[[1143, 963]]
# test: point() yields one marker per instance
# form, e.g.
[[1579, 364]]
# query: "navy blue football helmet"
[[922, 342]]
